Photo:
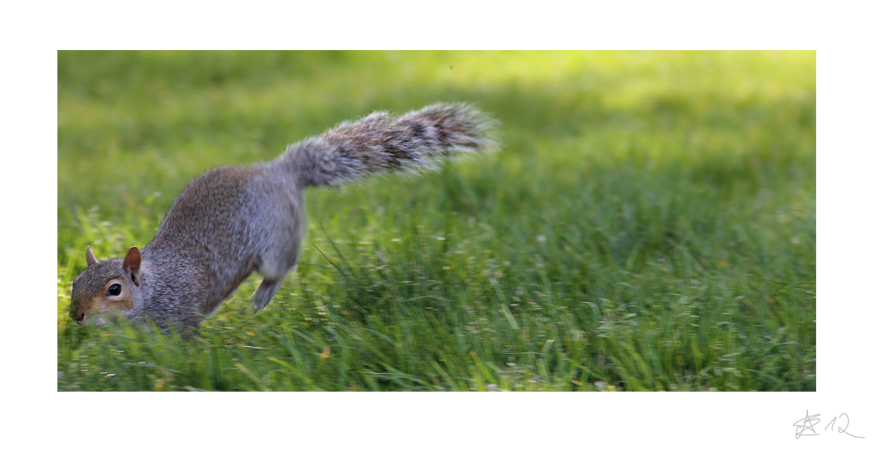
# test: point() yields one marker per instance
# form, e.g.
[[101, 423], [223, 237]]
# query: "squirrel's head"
[[106, 288]]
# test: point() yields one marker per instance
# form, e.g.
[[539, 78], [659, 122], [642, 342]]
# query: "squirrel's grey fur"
[[234, 220]]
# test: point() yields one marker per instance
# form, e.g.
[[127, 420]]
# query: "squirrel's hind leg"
[[265, 293], [274, 269]]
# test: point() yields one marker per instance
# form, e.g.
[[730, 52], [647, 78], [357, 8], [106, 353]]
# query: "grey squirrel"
[[234, 220]]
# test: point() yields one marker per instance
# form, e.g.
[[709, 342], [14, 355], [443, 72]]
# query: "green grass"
[[648, 225]]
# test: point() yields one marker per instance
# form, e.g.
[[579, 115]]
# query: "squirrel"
[[234, 220]]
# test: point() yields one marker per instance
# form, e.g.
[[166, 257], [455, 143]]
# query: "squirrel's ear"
[[89, 255], [131, 264]]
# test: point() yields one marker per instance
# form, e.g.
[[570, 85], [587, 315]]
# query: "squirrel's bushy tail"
[[379, 142]]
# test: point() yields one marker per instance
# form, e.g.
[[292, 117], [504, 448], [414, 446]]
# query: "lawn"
[[649, 223]]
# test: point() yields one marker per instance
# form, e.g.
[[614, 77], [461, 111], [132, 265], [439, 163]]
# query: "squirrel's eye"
[[115, 289]]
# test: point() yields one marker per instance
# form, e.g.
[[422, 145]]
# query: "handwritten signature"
[[807, 424]]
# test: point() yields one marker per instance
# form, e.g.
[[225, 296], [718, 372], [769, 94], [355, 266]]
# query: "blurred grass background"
[[648, 225]]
